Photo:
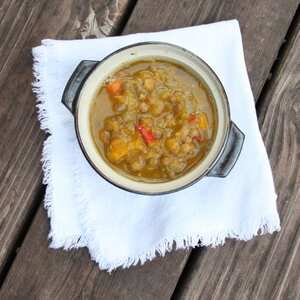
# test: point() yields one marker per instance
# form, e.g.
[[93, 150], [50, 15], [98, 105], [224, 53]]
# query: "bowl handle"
[[74, 84], [230, 154]]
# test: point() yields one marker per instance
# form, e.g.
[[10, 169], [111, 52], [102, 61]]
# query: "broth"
[[153, 120]]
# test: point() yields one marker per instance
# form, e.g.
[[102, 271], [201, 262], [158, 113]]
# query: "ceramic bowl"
[[86, 82]]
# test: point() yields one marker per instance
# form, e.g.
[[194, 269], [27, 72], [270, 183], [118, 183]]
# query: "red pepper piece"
[[192, 118], [147, 134], [197, 138]]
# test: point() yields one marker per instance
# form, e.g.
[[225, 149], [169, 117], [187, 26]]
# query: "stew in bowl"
[[153, 118]]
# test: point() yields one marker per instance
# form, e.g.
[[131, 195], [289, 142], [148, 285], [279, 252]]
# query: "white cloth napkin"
[[120, 228]]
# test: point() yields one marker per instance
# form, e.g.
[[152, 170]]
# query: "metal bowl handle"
[[69, 98], [230, 153]]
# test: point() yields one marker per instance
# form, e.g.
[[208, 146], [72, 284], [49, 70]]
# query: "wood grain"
[[263, 25], [22, 25], [267, 267], [56, 274], [49, 274]]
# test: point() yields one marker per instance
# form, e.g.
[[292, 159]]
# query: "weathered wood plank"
[[155, 280], [267, 267], [23, 24], [65, 19], [263, 25], [50, 274]]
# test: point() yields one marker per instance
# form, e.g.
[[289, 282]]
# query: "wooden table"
[[267, 267]]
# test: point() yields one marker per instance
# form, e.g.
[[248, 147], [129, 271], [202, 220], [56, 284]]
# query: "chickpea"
[[148, 122], [119, 99], [157, 133], [136, 144], [119, 107], [142, 96], [172, 145], [164, 95], [157, 108], [187, 148], [155, 145], [176, 166], [149, 84], [178, 109], [153, 162], [130, 126], [184, 132], [171, 173], [143, 107], [194, 132], [168, 106], [168, 132], [111, 124], [188, 139], [170, 120], [138, 164], [166, 160], [104, 136]]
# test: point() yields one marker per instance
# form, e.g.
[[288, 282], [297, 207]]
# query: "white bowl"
[[88, 78]]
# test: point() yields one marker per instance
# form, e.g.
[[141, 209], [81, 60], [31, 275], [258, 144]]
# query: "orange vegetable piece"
[[117, 150], [115, 87], [203, 121]]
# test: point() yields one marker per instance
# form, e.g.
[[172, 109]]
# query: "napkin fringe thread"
[[39, 60], [38, 87], [209, 239]]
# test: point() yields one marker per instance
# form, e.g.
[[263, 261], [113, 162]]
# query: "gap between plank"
[[41, 193], [277, 62], [187, 271], [126, 16], [196, 253], [19, 241]]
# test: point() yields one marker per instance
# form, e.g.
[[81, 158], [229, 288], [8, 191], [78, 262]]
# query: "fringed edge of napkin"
[[39, 59], [39, 81], [183, 241], [209, 239]]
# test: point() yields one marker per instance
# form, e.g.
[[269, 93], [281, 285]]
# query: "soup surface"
[[153, 120]]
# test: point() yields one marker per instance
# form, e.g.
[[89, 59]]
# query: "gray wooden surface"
[[233, 271], [22, 26], [266, 267]]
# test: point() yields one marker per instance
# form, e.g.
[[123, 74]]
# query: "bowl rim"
[[176, 189]]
